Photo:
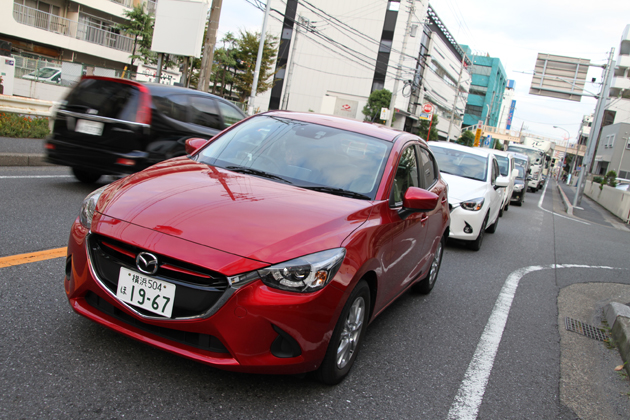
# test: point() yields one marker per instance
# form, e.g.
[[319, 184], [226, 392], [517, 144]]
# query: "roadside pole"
[[392, 103], [594, 134], [459, 81], [261, 46]]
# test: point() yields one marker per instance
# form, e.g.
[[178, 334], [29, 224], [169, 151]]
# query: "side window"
[[495, 171], [204, 111], [406, 175], [427, 170], [230, 114], [173, 106]]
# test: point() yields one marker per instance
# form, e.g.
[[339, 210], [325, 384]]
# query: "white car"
[[45, 74], [475, 190], [507, 168]]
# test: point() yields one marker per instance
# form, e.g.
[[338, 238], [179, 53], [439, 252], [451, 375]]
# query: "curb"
[[23, 159], [618, 317], [567, 205]]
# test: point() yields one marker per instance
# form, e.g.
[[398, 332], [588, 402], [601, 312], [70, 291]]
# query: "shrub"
[[21, 126]]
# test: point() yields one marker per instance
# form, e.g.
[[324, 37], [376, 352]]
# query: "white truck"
[[540, 153]]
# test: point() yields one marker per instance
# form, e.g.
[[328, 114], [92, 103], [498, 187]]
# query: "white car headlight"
[[304, 274], [472, 205], [518, 187], [88, 207]]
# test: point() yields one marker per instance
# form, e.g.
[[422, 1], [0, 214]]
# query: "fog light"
[[126, 162], [467, 228]]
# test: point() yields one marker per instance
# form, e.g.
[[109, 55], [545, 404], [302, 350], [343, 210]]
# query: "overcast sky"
[[514, 31]]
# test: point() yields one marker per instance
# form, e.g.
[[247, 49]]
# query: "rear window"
[[104, 98]]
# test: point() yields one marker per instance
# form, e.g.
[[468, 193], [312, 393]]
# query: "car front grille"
[[198, 288]]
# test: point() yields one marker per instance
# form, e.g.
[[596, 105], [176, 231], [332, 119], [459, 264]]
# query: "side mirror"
[[417, 199], [502, 182], [194, 144]]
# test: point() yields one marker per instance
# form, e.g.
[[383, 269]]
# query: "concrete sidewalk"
[[22, 152]]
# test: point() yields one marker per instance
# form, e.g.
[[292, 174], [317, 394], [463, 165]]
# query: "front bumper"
[[257, 329], [466, 224]]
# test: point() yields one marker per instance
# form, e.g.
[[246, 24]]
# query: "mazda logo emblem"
[[147, 263]]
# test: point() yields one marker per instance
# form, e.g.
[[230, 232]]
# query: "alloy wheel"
[[351, 332]]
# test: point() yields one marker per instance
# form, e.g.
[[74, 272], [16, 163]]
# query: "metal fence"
[[70, 28]]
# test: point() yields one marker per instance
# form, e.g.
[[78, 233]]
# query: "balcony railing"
[[151, 6], [70, 28], [126, 3]]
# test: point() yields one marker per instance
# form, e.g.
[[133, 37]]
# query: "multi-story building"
[[613, 152], [78, 36], [489, 81], [340, 52], [508, 106]]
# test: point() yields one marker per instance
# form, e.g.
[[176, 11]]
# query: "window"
[[204, 111], [610, 141], [230, 113], [478, 90], [174, 106], [427, 172], [481, 70], [394, 5], [406, 176], [474, 110], [495, 171]]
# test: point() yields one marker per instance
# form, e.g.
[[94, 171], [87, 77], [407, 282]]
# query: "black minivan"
[[111, 126]]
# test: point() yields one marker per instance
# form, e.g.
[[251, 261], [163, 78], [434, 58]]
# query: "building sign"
[[346, 108], [510, 115], [478, 133]]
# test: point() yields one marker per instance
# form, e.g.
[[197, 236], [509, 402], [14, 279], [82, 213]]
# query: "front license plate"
[[94, 128], [154, 295]]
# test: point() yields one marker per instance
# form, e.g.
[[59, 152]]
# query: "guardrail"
[[26, 106]]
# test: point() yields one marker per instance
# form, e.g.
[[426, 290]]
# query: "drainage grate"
[[585, 329]]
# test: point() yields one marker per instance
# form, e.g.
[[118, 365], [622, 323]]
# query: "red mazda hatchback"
[[269, 248]]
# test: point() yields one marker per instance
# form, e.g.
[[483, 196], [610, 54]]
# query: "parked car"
[[45, 74], [506, 169], [518, 195], [475, 194], [269, 248], [118, 126]]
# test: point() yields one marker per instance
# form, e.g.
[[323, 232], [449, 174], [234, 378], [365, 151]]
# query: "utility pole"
[[261, 46], [392, 103], [459, 81], [597, 123], [208, 47], [287, 89]]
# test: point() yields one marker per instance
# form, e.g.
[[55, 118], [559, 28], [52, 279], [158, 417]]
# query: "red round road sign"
[[428, 108]]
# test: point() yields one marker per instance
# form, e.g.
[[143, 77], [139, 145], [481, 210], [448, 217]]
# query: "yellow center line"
[[32, 257]]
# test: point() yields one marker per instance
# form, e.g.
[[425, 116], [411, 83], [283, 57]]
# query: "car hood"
[[236, 213], [461, 189]]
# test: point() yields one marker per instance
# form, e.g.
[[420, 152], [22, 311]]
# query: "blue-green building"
[[488, 84]]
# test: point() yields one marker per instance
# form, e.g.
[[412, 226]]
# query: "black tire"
[[425, 285], [476, 244], [507, 206], [493, 227], [348, 334], [84, 176]]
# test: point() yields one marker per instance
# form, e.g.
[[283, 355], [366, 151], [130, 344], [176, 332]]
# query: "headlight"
[[518, 187], [88, 206], [473, 205], [304, 274]]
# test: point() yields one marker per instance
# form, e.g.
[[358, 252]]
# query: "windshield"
[[460, 163], [504, 164], [44, 72], [304, 154], [521, 172], [535, 156]]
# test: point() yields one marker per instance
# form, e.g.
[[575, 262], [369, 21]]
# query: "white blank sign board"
[[179, 26]]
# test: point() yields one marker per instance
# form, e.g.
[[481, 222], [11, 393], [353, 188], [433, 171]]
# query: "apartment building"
[[340, 52], [489, 81]]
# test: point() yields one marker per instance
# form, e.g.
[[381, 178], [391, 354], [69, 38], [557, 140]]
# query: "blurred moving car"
[[269, 249], [475, 190], [45, 74], [506, 168], [518, 195], [118, 126]]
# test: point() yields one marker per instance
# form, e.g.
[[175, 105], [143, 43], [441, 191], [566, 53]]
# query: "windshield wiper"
[[339, 191], [250, 171]]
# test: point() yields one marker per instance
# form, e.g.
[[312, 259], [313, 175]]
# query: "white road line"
[[471, 391], [542, 197], [34, 176]]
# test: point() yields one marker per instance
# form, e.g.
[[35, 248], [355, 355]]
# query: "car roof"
[[362, 127], [161, 90], [479, 151], [501, 153]]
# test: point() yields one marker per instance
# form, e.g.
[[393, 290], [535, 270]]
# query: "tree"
[[423, 128], [140, 26], [467, 138], [245, 60], [377, 100]]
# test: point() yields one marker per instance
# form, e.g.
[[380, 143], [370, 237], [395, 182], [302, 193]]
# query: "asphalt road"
[[425, 357]]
